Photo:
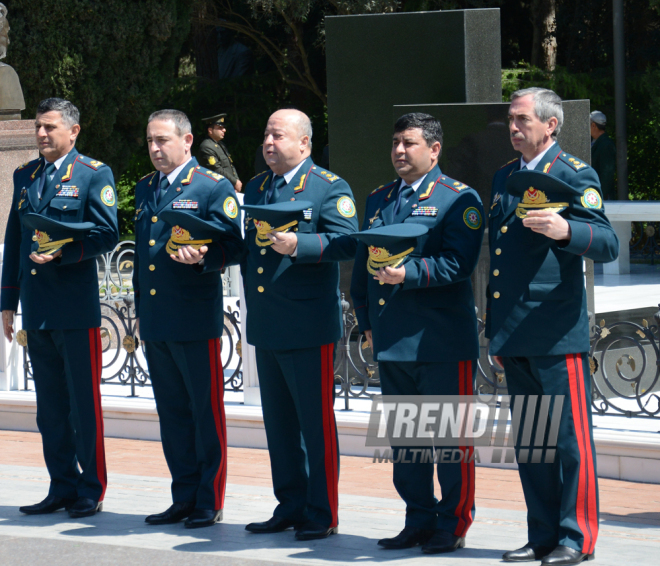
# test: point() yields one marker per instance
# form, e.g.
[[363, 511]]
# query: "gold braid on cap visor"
[[263, 228], [48, 246], [180, 238], [380, 257]]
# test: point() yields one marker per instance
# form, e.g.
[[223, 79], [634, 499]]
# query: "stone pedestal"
[[17, 145]]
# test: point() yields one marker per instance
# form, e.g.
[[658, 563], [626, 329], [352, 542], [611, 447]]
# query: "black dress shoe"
[[51, 504], [311, 531], [527, 553], [273, 525], [443, 541], [85, 507], [203, 518], [407, 538], [176, 512], [566, 555]]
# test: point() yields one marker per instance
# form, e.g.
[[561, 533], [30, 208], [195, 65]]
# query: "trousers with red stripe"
[[188, 385], [562, 496], [297, 397], [454, 512], [66, 366]]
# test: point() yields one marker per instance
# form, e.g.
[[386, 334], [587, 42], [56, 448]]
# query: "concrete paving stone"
[[629, 531]]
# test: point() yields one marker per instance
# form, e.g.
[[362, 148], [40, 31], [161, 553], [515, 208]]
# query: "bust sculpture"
[[11, 93]]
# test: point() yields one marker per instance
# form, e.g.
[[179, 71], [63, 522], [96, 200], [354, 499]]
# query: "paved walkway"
[[369, 509]]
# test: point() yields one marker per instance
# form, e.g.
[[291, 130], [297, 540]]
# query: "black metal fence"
[[624, 355]]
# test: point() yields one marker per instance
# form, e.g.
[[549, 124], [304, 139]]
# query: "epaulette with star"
[[260, 174], [510, 162], [92, 163], [28, 164], [455, 186], [382, 188], [207, 173], [572, 162], [325, 175]]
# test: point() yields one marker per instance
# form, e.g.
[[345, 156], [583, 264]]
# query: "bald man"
[[293, 319]]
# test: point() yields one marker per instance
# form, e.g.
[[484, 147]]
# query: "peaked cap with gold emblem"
[[539, 191], [389, 246], [51, 235]]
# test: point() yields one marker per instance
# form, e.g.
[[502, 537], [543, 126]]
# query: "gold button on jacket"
[[152, 242], [153, 291], [496, 294], [260, 289], [504, 229], [381, 302]]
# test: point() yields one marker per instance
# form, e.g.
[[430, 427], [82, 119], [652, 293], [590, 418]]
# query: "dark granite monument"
[[377, 61]]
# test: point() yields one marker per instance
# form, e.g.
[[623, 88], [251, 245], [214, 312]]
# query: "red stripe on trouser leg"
[[96, 357], [464, 508], [585, 505], [329, 430], [218, 406]]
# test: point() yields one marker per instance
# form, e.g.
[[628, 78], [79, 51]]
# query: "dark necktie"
[[405, 192], [162, 188], [49, 171], [276, 185]]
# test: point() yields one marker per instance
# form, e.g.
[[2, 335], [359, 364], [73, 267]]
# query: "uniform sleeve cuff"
[[581, 238], [362, 315], [9, 297], [412, 275], [310, 248]]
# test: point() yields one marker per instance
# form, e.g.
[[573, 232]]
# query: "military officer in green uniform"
[[294, 318], [213, 153], [546, 214], [603, 154], [50, 266], [419, 317], [178, 299]]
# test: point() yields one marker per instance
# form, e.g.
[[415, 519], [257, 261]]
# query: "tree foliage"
[[114, 59]]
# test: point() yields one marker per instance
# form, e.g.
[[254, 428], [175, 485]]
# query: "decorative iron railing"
[[124, 361]]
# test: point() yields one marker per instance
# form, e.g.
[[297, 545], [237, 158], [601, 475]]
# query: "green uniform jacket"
[[603, 160], [63, 293], [176, 301], [537, 301], [294, 302], [431, 316], [215, 156]]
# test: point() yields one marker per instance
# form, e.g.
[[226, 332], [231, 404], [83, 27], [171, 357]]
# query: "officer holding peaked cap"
[[546, 215], [298, 220], [186, 231], [62, 218], [411, 288]]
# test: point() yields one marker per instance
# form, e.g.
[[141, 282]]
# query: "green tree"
[[115, 60]]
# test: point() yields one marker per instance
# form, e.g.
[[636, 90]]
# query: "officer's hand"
[[238, 186], [499, 361], [391, 275], [548, 223], [42, 258], [188, 254], [369, 337], [137, 326], [8, 324], [284, 243]]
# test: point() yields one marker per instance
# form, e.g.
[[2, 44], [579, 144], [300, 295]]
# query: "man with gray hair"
[[62, 218], [186, 231], [291, 277], [603, 154], [546, 214]]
